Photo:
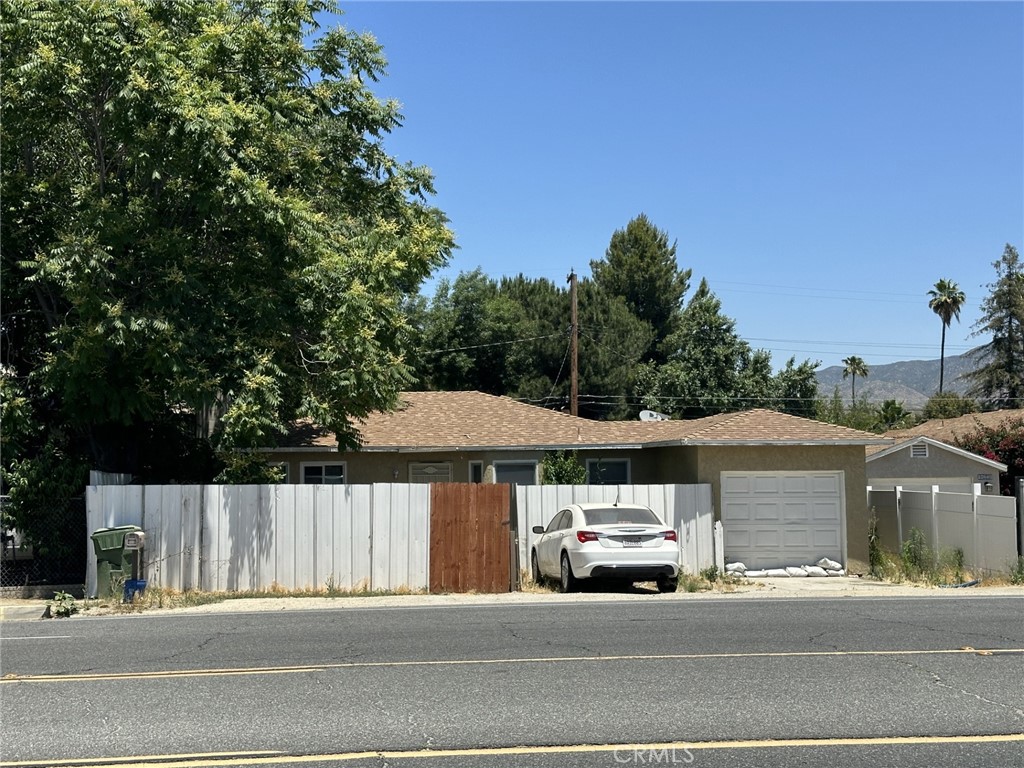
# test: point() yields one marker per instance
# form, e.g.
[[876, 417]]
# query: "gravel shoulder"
[[761, 589]]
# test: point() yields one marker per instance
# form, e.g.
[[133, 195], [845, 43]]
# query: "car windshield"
[[613, 515]]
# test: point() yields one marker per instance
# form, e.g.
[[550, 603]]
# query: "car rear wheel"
[[569, 582], [538, 577], [667, 584]]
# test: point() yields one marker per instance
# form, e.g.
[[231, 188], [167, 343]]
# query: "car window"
[[613, 515], [555, 521]]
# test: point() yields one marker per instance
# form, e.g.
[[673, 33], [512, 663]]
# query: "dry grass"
[[159, 597]]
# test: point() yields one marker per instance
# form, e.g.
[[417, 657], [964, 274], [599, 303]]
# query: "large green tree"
[[703, 374], [640, 266], [945, 300], [999, 379], [511, 337], [202, 229]]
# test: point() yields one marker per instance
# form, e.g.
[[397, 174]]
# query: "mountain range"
[[911, 382]]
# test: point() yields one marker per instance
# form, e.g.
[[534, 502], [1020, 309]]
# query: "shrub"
[[563, 468], [948, 405]]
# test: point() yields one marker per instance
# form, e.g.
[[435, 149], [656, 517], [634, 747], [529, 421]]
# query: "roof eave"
[[501, 448]]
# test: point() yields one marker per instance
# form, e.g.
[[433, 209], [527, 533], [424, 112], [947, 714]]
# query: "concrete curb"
[[22, 611]]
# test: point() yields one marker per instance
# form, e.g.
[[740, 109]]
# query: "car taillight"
[[670, 535], [585, 536]]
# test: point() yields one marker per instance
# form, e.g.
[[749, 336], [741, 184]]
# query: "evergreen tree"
[[999, 381], [701, 376], [640, 266]]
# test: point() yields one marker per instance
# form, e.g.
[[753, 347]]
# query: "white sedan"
[[601, 540]]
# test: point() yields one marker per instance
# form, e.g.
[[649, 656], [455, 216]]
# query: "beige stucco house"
[[785, 488]]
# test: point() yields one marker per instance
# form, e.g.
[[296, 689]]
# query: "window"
[[517, 472], [560, 521], [919, 451], [430, 472], [323, 474], [608, 471], [476, 471]]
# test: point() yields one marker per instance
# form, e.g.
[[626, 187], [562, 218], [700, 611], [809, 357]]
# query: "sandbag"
[[829, 565], [735, 568], [794, 570], [776, 573], [756, 574], [835, 571], [813, 570]]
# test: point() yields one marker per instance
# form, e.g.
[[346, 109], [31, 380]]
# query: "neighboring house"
[[948, 430], [921, 462], [788, 490]]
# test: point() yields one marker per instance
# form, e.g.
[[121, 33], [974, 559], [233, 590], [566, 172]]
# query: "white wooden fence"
[[984, 527], [242, 537], [686, 508]]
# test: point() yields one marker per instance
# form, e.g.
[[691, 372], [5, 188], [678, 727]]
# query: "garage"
[[774, 519]]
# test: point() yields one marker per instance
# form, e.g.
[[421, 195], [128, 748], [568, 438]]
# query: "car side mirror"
[[538, 529]]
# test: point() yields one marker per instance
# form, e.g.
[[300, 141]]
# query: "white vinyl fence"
[[984, 527], [242, 537], [686, 508]]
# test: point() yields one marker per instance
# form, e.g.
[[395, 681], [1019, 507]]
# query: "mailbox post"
[[135, 542]]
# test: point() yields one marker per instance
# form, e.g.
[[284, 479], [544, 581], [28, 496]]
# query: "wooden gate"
[[470, 537]]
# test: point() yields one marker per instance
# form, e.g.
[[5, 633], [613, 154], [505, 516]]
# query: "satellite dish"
[[653, 416]]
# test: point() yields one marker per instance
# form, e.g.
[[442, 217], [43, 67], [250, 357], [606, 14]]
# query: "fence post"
[[899, 516], [935, 525], [976, 492], [719, 547]]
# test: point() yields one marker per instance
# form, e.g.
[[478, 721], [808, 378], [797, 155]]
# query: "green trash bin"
[[113, 561]]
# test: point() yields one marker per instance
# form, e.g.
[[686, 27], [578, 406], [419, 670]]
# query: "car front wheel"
[[569, 582], [538, 577]]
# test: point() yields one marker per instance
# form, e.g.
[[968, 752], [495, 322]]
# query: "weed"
[[875, 555], [1017, 571], [710, 574], [916, 555], [63, 605]]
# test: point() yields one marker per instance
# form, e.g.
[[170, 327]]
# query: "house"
[[920, 462], [788, 490], [939, 462]]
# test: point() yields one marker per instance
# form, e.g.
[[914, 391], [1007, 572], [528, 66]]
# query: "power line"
[[491, 344]]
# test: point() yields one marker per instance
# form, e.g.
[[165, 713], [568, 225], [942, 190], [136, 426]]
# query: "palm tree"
[[946, 300], [855, 367]]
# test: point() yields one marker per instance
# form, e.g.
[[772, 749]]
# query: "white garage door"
[[773, 519]]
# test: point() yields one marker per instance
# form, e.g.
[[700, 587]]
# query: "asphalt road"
[[842, 682]]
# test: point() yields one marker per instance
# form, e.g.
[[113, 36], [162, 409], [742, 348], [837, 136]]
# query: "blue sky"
[[822, 164]]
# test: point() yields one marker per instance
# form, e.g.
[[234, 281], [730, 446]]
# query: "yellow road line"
[[175, 673], [221, 760]]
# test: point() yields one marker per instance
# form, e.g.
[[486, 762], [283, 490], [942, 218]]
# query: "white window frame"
[[448, 478], [536, 468], [474, 465], [629, 468], [342, 464]]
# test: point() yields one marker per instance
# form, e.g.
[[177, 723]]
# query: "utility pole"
[[574, 343]]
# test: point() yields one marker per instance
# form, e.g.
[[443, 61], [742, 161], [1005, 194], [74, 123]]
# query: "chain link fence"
[[57, 559]]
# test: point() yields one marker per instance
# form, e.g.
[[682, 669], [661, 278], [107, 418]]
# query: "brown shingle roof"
[[475, 420], [948, 430], [753, 427]]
